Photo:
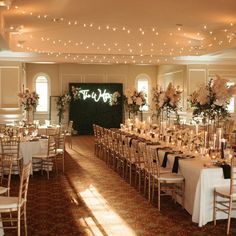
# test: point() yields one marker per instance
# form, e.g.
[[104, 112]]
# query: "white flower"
[[139, 101], [128, 92], [203, 94], [129, 100]]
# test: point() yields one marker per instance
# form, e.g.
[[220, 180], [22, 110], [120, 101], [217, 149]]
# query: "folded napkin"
[[175, 167], [164, 162], [34, 139], [152, 143], [130, 141], [226, 170]]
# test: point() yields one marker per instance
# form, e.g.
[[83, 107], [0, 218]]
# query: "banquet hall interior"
[[117, 117]]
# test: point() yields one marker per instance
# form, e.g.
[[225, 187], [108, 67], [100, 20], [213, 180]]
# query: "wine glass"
[[26, 132]]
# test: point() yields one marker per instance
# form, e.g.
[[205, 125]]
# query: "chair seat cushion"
[[59, 151], [165, 170], [225, 190], [171, 177], [39, 155], [9, 203], [3, 190]]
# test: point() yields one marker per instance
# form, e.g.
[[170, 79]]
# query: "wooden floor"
[[91, 199]]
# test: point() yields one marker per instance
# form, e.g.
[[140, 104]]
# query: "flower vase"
[[141, 115], [30, 116]]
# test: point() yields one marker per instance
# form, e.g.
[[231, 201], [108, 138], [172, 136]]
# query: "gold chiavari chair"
[[167, 183], [44, 160], [60, 151], [139, 162], [120, 160], [110, 151], [95, 139], [225, 196], [131, 158], [12, 209], [5, 175], [232, 140], [68, 132], [11, 148]]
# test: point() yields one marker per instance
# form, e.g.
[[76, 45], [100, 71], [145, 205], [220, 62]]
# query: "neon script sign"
[[100, 95]]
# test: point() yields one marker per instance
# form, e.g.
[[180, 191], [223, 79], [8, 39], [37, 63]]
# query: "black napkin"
[[226, 171], [164, 162], [130, 141], [175, 167]]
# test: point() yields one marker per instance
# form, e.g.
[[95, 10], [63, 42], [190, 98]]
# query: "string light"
[[114, 48]]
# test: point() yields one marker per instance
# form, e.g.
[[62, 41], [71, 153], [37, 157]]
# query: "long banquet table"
[[201, 177], [199, 185]]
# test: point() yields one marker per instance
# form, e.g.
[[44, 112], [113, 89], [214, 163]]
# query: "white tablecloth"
[[29, 148], [48, 130], [199, 184]]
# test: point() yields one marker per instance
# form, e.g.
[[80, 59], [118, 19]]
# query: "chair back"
[[142, 151], [70, 127], [149, 158], [154, 162], [232, 140], [233, 177], [51, 150], [24, 182], [146, 157], [60, 141], [5, 173], [53, 130], [134, 150], [11, 147]]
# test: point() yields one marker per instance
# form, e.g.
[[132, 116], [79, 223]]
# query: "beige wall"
[[62, 74], [14, 74], [189, 77], [11, 79]]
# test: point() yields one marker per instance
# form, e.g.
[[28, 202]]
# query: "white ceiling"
[[124, 31]]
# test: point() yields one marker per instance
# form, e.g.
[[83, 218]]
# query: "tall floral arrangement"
[[75, 92], [62, 102], [28, 100], [210, 102], [134, 100], [115, 98], [167, 100]]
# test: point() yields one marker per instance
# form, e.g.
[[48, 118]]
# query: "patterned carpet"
[[90, 199]]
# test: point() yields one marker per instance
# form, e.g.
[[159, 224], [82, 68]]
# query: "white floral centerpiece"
[[115, 98], [134, 100], [28, 100], [167, 100], [62, 102], [210, 102], [75, 92]]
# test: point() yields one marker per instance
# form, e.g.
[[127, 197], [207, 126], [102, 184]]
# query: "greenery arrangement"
[[62, 102]]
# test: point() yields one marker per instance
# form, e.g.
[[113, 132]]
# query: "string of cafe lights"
[[106, 59], [154, 49]]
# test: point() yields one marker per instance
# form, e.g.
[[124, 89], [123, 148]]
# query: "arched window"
[[41, 88], [232, 100], [142, 84]]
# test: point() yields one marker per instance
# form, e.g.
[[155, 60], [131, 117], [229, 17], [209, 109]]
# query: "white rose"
[[139, 101], [130, 101]]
